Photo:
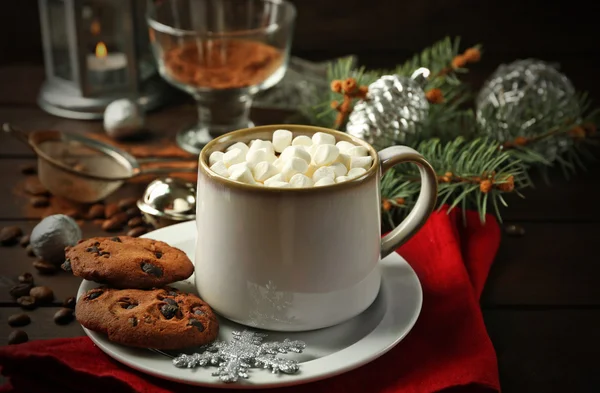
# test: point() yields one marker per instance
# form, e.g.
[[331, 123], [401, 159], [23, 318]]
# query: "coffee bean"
[[169, 310], [39, 201], [111, 209], [197, 324], [152, 269], [21, 289], [27, 302], [116, 223], [98, 222], [73, 213], [66, 266], [127, 203], [26, 278], [17, 320], [63, 316], [514, 230], [135, 222], [70, 302], [42, 294], [29, 169], [29, 250], [10, 235], [44, 267], [17, 337], [24, 242], [96, 211], [133, 321], [133, 212], [33, 186], [136, 232]]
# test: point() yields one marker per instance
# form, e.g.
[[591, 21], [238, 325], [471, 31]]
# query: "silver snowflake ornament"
[[245, 350]]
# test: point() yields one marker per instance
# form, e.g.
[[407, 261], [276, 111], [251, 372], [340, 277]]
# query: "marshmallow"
[[344, 159], [214, 157], [259, 155], [242, 175], [232, 157], [341, 179], [344, 146], [295, 151], [300, 181], [326, 181], [311, 170], [339, 169], [361, 162], [321, 138], [358, 151], [292, 166], [278, 184], [260, 144], [237, 166], [220, 169], [281, 140], [302, 140], [276, 178], [238, 145], [278, 163], [356, 172], [322, 172], [325, 155], [263, 171]]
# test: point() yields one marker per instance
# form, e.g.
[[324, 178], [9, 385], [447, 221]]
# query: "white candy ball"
[[326, 181], [302, 140], [263, 171], [232, 157], [300, 181], [281, 140], [239, 145], [323, 172], [325, 155], [361, 162], [321, 138], [123, 118], [356, 172], [292, 166], [220, 169], [214, 157]]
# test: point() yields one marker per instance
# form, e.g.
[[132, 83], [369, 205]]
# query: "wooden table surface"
[[541, 303]]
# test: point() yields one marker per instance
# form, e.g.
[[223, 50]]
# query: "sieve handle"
[[18, 134], [166, 171]]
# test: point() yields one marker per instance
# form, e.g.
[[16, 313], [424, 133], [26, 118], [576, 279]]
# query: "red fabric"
[[447, 350]]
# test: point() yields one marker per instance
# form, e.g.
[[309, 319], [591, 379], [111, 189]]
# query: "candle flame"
[[101, 50]]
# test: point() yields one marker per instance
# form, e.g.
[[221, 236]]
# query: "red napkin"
[[447, 350]]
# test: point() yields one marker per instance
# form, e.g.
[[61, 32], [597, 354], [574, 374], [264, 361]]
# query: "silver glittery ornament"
[[394, 107], [244, 351], [526, 98], [50, 237], [123, 118]]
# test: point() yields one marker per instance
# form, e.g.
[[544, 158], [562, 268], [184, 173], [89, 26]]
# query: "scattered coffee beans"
[[10, 235], [96, 211], [39, 201], [17, 320], [29, 169], [111, 209], [33, 186], [21, 289], [63, 316], [73, 213], [137, 231], [70, 303], [26, 278], [115, 223], [24, 242], [133, 212], [44, 267], [127, 203], [27, 302], [42, 295], [135, 222], [17, 337]]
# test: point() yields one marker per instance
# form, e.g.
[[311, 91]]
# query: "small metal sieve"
[[83, 169]]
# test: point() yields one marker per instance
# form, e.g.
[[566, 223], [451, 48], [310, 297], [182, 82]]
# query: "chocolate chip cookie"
[[163, 318], [128, 262]]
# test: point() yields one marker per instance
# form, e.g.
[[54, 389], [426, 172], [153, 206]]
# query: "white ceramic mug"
[[297, 259]]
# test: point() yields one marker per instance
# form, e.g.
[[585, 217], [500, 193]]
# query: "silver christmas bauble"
[[50, 237], [123, 118], [394, 107], [526, 98]]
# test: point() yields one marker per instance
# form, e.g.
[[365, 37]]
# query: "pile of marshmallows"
[[284, 162]]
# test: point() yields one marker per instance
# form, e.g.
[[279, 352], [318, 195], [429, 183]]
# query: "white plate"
[[328, 352]]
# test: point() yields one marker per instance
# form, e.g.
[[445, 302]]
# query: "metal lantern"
[[96, 51]]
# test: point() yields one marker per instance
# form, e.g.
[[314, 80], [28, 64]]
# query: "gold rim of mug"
[[245, 135]]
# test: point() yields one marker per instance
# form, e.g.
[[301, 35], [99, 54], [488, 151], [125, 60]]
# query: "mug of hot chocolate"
[[289, 224]]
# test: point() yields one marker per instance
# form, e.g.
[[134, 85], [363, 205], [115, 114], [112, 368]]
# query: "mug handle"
[[389, 157]]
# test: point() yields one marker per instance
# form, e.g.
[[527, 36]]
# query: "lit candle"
[[106, 68]]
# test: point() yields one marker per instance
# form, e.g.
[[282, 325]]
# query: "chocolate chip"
[[33, 186], [27, 302], [116, 239], [96, 211], [127, 203], [514, 230], [29, 169], [70, 302], [111, 209], [66, 266], [172, 293], [158, 254], [171, 301], [24, 242], [26, 278], [152, 269], [104, 253], [63, 316], [10, 235], [127, 303], [137, 232], [44, 267], [133, 321], [42, 294], [197, 324], [39, 201], [94, 295], [17, 320], [93, 249], [199, 312], [132, 212], [21, 289], [135, 222], [169, 310], [17, 337]]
